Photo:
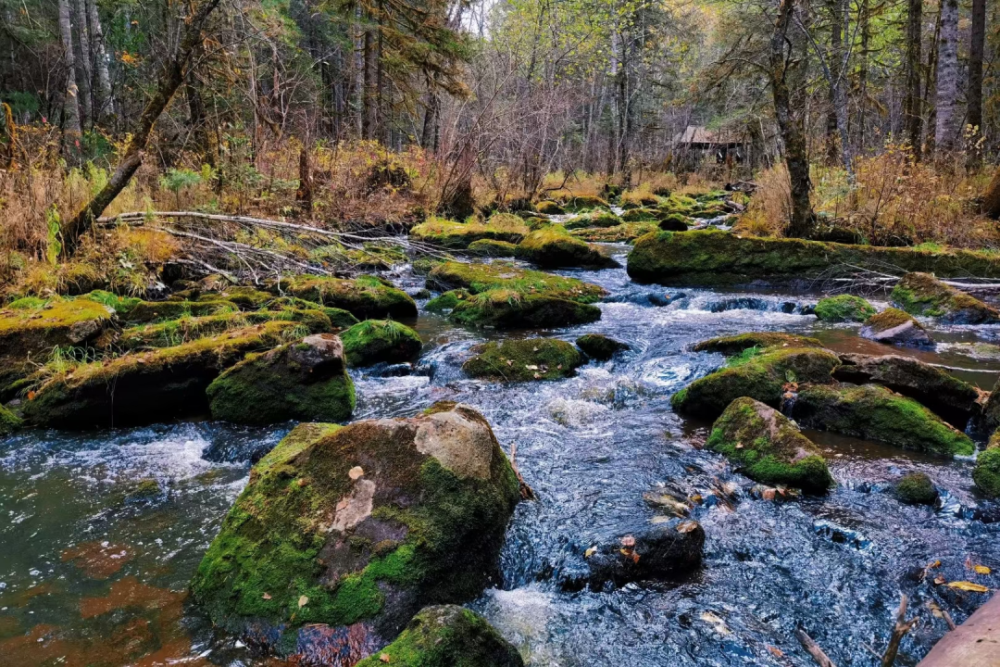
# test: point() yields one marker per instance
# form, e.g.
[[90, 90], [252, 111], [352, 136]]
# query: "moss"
[[991, 409], [923, 294], [364, 297], [579, 203], [844, 308], [549, 208], [762, 377], [632, 199], [145, 312], [640, 214], [679, 204], [599, 218], [445, 530], [674, 222], [712, 257], [986, 474], [28, 303], [872, 412], [490, 248], [458, 235], [732, 345], [768, 448], [508, 309], [624, 233], [447, 636], [339, 318], [447, 301], [524, 360], [888, 319], [285, 383], [478, 278], [554, 247], [374, 341], [916, 489], [600, 347], [186, 329], [9, 422]]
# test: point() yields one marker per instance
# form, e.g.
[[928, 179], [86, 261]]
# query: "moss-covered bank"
[[478, 278], [553, 247], [844, 308], [507, 309], [365, 297]]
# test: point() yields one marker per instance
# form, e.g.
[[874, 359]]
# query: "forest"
[[497, 333]]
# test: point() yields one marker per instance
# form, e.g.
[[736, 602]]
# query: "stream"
[[94, 567]]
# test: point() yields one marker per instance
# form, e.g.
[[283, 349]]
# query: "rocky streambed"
[[106, 528]]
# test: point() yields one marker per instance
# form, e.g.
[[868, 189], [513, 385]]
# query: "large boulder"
[[458, 235], [665, 550], [915, 489], [844, 308], [894, 327], [491, 248], [478, 278], [553, 247], [508, 309], [447, 636], [923, 294], [524, 360], [953, 399], [365, 297], [766, 447], [600, 347], [730, 346], [306, 380], [147, 387], [374, 341], [343, 534], [872, 412], [763, 377], [187, 329], [598, 218], [986, 474]]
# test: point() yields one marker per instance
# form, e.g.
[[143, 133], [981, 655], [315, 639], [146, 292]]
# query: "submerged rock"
[[447, 636], [732, 345], [507, 309], [762, 377], [375, 341], [600, 347], [365, 297], [553, 247], [872, 412], [894, 327], [953, 399], [844, 308], [923, 294], [306, 380], [344, 533], [524, 360], [665, 550], [916, 489], [766, 447]]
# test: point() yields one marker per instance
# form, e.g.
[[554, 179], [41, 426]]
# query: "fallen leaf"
[[531, 367], [590, 552], [384, 658], [775, 651], [981, 569], [716, 622], [968, 586], [303, 601], [686, 526], [510, 362], [939, 580], [267, 596], [356, 473]]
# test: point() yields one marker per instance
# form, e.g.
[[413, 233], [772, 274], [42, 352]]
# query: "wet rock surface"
[[663, 551], [894, 327]]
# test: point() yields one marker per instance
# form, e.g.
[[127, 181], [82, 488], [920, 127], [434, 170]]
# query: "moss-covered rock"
[[574, 203], [923, 294], [348, 532], [844, 308], [305, 380], [446, 301], [762, 377], [365, 297], [600, 347], [713, 257], [147, 387], [623, 233], [730, 346], [875, 413], [673, 222], [549, 208], [955, 400], [491, 248], [894, 327], [598, 218], [145, 312], [375, 341], [187, 329], [9, 422], [554, 247], [665, 550], [508, 309], [447, 636], [478, 278], [991, 409], [339, 318], [638, 198], [457, 235], [916, 489], [524, 360], [768, 448], [986, 474], [246, 297], [640, 214]]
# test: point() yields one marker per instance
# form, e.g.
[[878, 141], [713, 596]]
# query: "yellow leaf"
[[968, 586], [981, 569], [590, 552], [303, 601]]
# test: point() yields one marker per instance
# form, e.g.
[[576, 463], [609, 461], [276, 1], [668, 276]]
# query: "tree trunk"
[[102, 94], [974, 95], [929, 90], [71, 102], [946, 132], [991, 200], [912, 105], [836, 50], [86, 71], [368, 94], [171, 78], [788, 89]]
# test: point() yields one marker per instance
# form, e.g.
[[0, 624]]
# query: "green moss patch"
[[458, 235], [186, 329], [508, 309], [374, 341], [623, 233], [9, 422], [916, 489], [365, 297], [554, 247], [844, 308], [490, 248], [478, 278], [923, 294], [600, 347], [733, 345], [986, 474], [524, 360], [145, 312], [599, 218]]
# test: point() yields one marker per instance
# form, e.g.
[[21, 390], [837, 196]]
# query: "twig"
[[527, 493], [899, 630], [935, 607], [813, 649]]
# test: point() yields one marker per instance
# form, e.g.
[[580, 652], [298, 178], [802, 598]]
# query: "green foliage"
[[374, 341]]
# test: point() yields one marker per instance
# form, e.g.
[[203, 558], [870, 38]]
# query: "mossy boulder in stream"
[[871, 412], [344, 534], [375, 341], [549, 208], [478, 278], [923, 294], [491, 248], [761, 376], [305, 380], [916, 489], [9, 422], [673, 222], [595, 219], [986, 474], [508, 309], [145, 312], [365, 297], [447, 636], [732, 345], [766, 447], [148, 387], [187, 329], [524, 360], [553, 247], [666, 550], [600, 347], [458, 235], [894, 327], [339, 318], [991, 409], [844, 308]]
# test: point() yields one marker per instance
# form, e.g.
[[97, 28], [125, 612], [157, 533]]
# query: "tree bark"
[[930, 88], [71, 102], [86, 71], [170, 80], [991, 199], [836, 49], [102, 95], [368, 92], [788, 88], [946, 132], [974, 95], [912, 105]]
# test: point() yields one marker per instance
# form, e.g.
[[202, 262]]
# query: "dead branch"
[[813, 649], [899, 630], [527, 493]]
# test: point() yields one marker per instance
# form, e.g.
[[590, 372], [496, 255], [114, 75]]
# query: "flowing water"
[[94, 565]]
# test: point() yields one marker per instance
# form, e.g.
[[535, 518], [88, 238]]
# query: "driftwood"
[[899, 630], [813, 649]]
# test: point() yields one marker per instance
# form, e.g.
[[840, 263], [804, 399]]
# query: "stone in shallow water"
[[665, 550], [524, 360], [916, 489], [600, 347], [894, 327]]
